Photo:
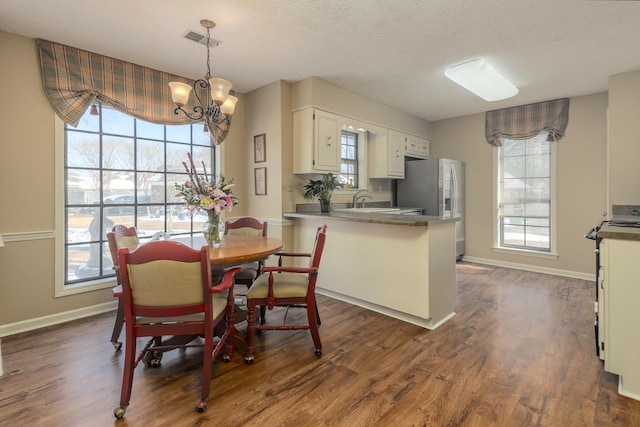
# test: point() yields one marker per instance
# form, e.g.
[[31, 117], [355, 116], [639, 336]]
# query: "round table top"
[[236, 250]]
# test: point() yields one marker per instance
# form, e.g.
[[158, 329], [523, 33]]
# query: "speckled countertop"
[[620, 233], [375, 218]]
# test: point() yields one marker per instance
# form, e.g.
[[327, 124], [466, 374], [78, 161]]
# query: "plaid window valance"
[[73, 79], [527, 121]]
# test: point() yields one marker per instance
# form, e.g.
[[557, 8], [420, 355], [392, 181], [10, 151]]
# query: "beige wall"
[[27, 191], [624, 139], [580, 184]]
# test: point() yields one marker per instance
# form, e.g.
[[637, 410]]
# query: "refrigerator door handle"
[[454, 192]]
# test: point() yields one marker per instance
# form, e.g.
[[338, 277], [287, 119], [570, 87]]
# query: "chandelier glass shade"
[[216, 110]]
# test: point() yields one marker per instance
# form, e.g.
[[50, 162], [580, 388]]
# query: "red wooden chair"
[[291, 287], [167, 291], [247, 226], [120, 236]]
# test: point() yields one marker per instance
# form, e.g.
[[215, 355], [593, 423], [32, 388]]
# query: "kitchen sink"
[[367, 210]]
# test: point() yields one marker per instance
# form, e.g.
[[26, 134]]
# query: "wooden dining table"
[[232, 251]]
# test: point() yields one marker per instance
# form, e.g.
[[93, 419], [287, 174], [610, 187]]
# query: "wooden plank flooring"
[[519, 352]]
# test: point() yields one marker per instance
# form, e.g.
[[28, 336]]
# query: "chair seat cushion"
[[218, 303], [285, 285]]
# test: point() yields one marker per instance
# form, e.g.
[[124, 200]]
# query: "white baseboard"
[[534, 268], [415, 320], [54, 319]]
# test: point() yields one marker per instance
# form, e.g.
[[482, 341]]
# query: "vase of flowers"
[[208, 193]]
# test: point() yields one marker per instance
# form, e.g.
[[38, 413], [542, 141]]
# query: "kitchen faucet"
[[357, 198]]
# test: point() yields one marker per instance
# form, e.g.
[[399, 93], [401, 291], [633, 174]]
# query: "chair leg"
[[312, 317], [251, 330], [202, 404], [127, 375], [117, 326], [318, 316]]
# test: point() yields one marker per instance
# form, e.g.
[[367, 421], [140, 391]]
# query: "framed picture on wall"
[[260, 148], [260, 177]]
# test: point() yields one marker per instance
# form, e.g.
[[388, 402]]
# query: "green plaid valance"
[[73, 79], [527, 121]]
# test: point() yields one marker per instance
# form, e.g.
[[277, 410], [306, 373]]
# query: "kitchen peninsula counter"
[[375, 218], [403, 266]]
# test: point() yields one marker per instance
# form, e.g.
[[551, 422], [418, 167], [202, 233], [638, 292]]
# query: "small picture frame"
[[260, 178], [260, 148]]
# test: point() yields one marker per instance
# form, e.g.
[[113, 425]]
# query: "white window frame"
[[363, 177], [553, 253]]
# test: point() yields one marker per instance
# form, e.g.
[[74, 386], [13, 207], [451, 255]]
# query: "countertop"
[[620, 233], [375, 218]]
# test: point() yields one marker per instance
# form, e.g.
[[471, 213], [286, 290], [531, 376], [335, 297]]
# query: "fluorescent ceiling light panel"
[[482, 79]]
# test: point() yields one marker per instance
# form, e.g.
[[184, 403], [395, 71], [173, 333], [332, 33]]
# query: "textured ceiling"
[[391, 51]]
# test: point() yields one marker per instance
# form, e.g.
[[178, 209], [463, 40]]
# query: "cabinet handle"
[[398, 153], [328, 141]]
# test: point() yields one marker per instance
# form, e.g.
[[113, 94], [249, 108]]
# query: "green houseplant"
[[322, 189]]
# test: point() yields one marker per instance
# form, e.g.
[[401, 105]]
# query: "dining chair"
[[120, 236], [247, 226], [290, 287], [167, 291]]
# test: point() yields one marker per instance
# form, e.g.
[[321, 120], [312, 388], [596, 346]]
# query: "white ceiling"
[[393, 51]]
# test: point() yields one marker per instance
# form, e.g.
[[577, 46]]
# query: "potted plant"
[[322, 189]]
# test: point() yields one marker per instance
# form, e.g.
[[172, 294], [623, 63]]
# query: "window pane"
[[150, 188], [180, 133], [538, 237], [200, 137], [116, 184], [116, 123], [83, 150], [538, 165], [149, 130], [176, 154], [83, 186], [513, 235], [150, 156], [513, 167], [512, 148], [200, 155], [117, 152]]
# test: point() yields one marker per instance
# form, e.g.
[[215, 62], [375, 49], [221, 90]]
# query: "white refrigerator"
[[436, 186]]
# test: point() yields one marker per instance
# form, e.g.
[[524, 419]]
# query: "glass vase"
[[211, 230]]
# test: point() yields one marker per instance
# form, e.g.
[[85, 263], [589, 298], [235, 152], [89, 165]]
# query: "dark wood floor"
[[519, 352]]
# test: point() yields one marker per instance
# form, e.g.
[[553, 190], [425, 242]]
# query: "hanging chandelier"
[[219, 109]]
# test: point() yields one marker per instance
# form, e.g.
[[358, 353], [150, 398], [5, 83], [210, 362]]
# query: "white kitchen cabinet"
[[416, 147], [386, 153], [621, 288], [316, 141]]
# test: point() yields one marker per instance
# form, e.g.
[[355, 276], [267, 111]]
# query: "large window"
[[121, 170], [524, 189]]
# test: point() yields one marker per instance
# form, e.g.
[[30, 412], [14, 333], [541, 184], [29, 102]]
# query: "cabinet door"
[[395, 154], [327, 142], [423, 148], [411, 146]]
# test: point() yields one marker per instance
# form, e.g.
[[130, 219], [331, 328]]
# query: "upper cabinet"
[[416, 147], [386, 153], [316, 141]]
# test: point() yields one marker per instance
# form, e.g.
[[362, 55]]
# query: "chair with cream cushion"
[[167, 291], [120, 236], [246, 226], [290, 287]]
